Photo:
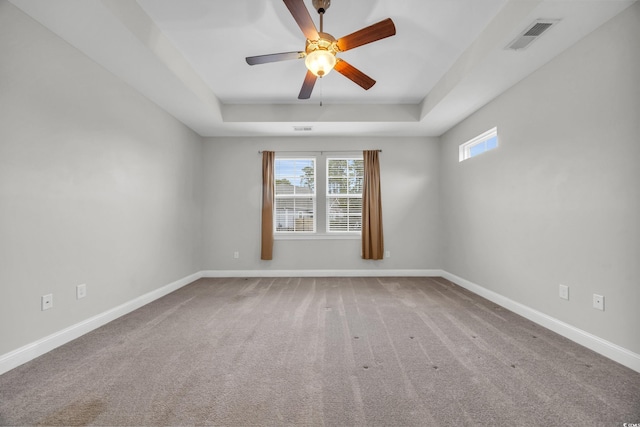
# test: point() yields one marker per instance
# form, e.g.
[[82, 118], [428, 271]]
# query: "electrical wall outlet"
[[387, 254], [564, 292], [598, 302], [81, 291], [46, 301], [236, 255]]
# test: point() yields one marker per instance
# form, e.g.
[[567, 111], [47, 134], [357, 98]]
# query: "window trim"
[[338, 235], [320, 213], [465, 149]]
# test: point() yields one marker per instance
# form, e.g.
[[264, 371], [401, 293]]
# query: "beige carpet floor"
[[321, 351]]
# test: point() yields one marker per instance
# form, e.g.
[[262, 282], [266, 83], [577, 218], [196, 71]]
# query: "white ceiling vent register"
[[532, 33]]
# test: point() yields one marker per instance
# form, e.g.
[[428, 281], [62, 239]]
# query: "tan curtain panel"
[[372, 239], [268, 190]]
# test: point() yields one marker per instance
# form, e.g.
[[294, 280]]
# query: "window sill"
[[318, 236]]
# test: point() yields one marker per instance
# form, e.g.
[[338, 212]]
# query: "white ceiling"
[[447, 59]]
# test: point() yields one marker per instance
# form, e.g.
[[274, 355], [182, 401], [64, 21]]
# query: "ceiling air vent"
[[302, 128], [531, 33]]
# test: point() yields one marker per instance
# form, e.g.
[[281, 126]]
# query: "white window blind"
[[295, 195], [344, 194]]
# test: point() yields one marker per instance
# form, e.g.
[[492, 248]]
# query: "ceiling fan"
[[321, 48]]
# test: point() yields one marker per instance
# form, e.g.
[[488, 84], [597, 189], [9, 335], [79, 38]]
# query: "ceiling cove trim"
[[286, 113]]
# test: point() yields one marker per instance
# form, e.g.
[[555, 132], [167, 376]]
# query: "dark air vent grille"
[[538, 29], [531, 33]]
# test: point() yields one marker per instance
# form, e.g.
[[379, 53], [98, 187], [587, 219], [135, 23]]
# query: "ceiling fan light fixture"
[[320, 62], [321, 48]]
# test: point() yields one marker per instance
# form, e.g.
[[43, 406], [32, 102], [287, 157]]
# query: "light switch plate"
[[563, 292]]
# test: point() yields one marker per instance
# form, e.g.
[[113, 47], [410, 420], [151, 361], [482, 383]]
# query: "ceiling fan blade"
[[307, 86], [303, 18], [274, 57], [353, 74], [372, 33]]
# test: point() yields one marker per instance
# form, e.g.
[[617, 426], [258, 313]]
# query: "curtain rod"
[[321, 152]]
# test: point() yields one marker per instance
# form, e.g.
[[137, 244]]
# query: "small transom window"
[[480, 144]]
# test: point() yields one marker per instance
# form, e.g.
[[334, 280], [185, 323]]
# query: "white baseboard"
[[30, 351], [608, 349], [322, 273]]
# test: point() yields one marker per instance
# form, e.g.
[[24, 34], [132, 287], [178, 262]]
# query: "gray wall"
[[409, 179], [97, 186], [559, 200]]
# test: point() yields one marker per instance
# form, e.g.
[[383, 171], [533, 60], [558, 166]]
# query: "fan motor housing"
[[325, 42]]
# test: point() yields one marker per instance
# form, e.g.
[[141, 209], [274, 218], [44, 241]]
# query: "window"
[[300, 214], [480, 144], [295, 195], [344, 194]]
